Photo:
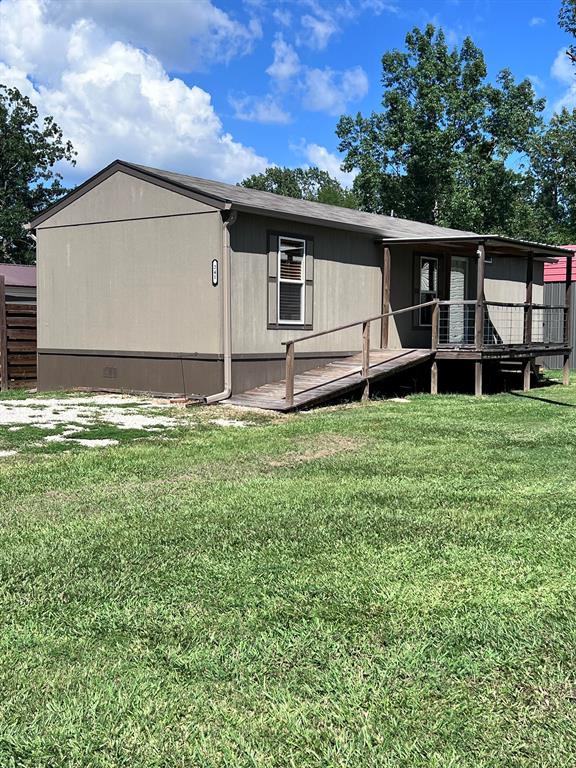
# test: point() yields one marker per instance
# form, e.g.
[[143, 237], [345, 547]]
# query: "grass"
[[380, 585]]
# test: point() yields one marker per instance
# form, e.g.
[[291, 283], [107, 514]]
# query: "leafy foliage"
[[553, 173], [28, 182], [304, 184], [440, 150], [567, 20]]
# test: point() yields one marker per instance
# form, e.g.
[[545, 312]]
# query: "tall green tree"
[[29, 150], [553, 177], [441, 149], [303, 183], [567, 20]]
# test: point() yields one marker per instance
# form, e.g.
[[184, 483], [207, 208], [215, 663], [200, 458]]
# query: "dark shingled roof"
[[333, 215], [389, 229]]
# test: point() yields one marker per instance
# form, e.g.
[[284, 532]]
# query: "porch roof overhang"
[[497, 245]]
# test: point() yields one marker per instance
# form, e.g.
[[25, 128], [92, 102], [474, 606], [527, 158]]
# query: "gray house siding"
[[125, 297], [345, 285]]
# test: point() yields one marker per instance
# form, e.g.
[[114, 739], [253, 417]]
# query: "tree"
[[567, 20], [303, 183], [553, 174], [440, 149], [28, 183]]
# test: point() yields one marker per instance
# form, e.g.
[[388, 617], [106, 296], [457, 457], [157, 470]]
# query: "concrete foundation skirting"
[[164, 374]]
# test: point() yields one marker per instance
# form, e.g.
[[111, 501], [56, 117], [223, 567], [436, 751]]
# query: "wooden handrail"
[[459, 302], [289, 393], [358, 322]]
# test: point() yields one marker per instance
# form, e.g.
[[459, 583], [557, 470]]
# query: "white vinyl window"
[[291, 279], [428, 287]]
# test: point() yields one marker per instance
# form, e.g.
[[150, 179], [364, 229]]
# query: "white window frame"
[[435, 259], [301, 282]]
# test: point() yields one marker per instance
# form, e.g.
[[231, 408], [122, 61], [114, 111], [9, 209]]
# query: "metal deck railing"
[[503, 324]]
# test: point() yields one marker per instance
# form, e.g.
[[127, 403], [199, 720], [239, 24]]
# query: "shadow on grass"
[[542, 399]]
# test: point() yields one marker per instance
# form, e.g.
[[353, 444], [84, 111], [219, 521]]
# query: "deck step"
[[318, 385]]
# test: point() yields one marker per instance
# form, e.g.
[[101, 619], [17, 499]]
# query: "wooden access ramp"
[[334, 379]]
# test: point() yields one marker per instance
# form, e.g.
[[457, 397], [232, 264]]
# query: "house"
[[20, 282], [554, 293], [17, 326], [154, 281]]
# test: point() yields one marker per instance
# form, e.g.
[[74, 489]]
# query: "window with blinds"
[[291, 279]]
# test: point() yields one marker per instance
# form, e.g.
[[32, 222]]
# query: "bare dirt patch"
[[318, 448]]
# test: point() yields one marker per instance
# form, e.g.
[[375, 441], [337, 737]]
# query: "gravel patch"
[[83, 412]]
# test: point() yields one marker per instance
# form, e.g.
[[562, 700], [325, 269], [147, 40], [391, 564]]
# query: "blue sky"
[[223, 89]]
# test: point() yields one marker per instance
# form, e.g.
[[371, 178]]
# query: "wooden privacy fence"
[[17, 342]]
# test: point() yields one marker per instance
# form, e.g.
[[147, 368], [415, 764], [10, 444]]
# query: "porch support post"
[[366, 359], [289, 373], [479, 317], [528, 300], [385, 327], [435, 333], [567, 321]]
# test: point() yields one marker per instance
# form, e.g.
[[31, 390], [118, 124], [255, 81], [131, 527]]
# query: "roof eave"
[[132, 170], [312, 220], [553, 251]]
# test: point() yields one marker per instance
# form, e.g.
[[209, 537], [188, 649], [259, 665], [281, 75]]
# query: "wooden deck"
[[501, 351], [331, 380]]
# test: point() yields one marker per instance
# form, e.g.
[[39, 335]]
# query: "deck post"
[[526, 372], [366, 358], [3, 337], [385, 325], [567, 321], [434, 378], [478, 378], [289, 373], [528, 300], [479, 317]]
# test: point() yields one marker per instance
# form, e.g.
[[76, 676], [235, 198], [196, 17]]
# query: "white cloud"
[[536, 21], [114, 100], [317, 32], [327, 161], [184, 35], [319, 90], [286, 62], [282, 17], [563, 70], [327, 90], [259, 110], [323, 21]]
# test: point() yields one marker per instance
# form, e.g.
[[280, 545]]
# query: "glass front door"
[[458, 330]]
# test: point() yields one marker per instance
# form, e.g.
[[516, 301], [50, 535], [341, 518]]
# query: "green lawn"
[[390, 584]]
